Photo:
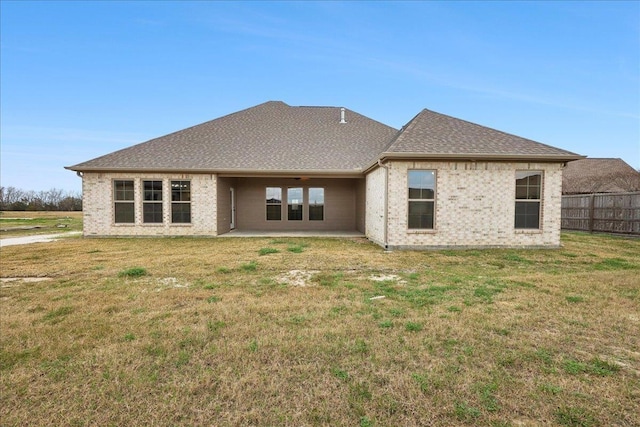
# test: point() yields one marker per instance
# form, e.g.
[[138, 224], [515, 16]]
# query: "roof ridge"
[[315, 106]]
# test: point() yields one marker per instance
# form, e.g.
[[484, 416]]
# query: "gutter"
[[482, 156], [293, 173], [472, 157]]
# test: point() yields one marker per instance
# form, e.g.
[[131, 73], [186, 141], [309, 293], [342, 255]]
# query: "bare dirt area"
[[297, 278]]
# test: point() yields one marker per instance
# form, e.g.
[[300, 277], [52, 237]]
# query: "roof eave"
[[228, 172], [472, 157]]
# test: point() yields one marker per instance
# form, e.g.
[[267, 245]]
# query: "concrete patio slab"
[[258, 233], [37, 238]]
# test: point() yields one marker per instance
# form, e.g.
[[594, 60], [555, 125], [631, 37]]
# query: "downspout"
[[386, 202]]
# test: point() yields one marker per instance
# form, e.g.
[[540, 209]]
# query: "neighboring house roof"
[[599, 176], [268, 137], [276, 138], [447, 137]]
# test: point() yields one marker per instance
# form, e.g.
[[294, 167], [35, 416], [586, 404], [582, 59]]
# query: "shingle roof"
[[277, 138], [268, 137], [599, 176], [442, 136]]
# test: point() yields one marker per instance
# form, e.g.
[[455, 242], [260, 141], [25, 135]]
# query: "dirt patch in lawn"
[[387, 278], [299, 278]]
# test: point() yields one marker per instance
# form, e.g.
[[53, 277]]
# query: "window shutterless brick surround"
[[474, 205], [98, 206]]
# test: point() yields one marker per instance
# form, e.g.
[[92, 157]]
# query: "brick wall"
[[97, 198], [375, 205], [475, 205]]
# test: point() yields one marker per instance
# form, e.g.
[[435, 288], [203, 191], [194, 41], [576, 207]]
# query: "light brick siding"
[[475, 206], [375, 205], [97, 198]]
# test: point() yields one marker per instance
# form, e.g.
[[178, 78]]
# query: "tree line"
[[16, 199]]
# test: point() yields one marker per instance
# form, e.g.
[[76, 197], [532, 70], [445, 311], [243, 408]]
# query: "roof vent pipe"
[[342, 120]]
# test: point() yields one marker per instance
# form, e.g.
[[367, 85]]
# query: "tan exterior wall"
[[375, 216], [475, 206], [97, 197], [361, 204], [339, 208]]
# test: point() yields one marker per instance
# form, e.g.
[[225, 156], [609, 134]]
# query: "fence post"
[[591, 212]]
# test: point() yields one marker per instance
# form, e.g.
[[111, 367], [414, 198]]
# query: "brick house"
[[437, 182]]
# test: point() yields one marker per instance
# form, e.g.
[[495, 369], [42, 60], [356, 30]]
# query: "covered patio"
[[329, 206]]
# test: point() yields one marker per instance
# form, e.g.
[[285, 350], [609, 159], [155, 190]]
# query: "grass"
[[296, 249], [595, 367], [267, 251], [210, 335], [249, 266], [133, 272], [17, 224], [575, 417]]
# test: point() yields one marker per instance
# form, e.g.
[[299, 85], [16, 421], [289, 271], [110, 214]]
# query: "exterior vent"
[[342, 120]]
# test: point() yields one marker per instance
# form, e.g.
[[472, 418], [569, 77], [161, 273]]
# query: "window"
[[316, 204], [152, 202], [274, 203], [181, 202], [422, 190], [123, 193], [528, 196], [294, 204]]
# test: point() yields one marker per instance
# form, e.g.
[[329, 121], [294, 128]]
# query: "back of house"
[[437, 182]]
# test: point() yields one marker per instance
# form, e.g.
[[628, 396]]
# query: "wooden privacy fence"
[[607, 212]]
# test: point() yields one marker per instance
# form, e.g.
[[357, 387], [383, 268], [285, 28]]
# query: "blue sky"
[[82, 79]]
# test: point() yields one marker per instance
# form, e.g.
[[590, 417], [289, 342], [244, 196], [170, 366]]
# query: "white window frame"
[[125, 201], [411, 200], [528, 198]]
